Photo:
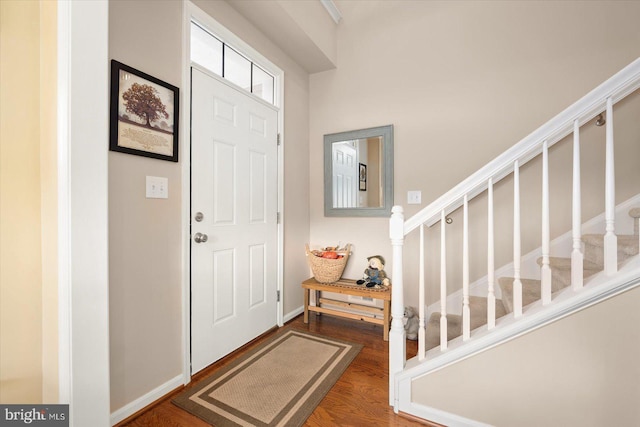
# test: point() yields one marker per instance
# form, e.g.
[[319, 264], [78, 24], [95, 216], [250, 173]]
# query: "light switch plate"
[[414, 197], [157, 187]]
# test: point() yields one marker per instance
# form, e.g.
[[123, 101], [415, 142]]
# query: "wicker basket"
[[327, 270]]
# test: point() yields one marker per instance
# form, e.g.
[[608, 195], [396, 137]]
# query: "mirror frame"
[[386, 132]]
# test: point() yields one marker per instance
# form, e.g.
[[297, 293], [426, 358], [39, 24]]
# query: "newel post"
[[397, 343]]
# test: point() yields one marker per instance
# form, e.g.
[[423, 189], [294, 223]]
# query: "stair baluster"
[[443, 283], [545, 270], [421, 300], [517, 284], [610, 239], [577, 258], [491, 297], [466, 312]]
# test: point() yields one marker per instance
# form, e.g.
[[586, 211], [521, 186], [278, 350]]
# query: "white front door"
[[345, 175], [234, 203]]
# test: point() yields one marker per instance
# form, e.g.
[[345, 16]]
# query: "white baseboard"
[[440, 416], [143, 401], [292, 314]]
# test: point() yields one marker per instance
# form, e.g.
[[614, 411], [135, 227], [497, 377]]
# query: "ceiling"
[[276, 20]]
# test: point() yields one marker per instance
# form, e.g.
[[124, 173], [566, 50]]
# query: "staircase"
[[593, 268], [531, 288]]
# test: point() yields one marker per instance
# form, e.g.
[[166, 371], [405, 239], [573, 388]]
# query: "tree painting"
[[143, 101]]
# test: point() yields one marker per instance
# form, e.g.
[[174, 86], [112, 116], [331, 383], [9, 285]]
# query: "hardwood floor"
[[359, 398]]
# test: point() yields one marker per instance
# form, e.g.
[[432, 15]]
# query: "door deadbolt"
[[200, 238], [199, 217]]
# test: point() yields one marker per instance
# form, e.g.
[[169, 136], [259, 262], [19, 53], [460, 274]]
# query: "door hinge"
[[278, 218], [279, 141], [277, 296]]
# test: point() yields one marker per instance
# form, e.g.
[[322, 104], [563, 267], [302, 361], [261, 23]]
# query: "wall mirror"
[[358, 172]]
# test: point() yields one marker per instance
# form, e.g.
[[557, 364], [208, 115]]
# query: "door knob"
[[200, 238]]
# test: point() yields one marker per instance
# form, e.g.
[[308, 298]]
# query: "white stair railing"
[[508, 163], [517, 283], [466, 312], [610, 239], [545, 269], [422, 299], [491, 270], [576, 221], [443, 282]]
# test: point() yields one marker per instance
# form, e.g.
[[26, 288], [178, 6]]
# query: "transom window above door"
[[225, 61]]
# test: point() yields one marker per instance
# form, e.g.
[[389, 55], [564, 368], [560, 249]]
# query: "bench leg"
[[306, 305], [317, 295], [387, 313]]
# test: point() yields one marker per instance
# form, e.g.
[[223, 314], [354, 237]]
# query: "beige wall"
[[144, 234], [20, 215], [580, 371], [461, 82]]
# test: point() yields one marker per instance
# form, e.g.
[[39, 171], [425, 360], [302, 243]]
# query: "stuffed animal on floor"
[[374, 275], [411, 323]]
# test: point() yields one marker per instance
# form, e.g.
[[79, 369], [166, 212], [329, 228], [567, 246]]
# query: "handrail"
[[617, 88]]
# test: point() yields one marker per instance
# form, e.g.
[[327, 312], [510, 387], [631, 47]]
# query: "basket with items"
[[327, 264]]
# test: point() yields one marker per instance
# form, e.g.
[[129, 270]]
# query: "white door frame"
[[192, 12], [83, 253]]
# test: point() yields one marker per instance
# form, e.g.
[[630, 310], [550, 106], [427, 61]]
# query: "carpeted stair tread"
[[627, 243], [561, 271], [530, 292], [478, 308], [565, 263], [594, 247], [432, 333]]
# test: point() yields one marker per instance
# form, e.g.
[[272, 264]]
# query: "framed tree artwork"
[[144, 114]]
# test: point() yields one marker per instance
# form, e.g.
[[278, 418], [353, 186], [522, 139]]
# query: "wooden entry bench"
[[348, 287]]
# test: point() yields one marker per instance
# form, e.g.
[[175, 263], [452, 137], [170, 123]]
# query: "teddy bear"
[[411, 323], [374, 275]]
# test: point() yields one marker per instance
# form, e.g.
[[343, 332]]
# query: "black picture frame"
[[144, 114], [362, 173]]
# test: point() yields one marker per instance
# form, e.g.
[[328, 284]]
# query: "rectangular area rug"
[[279, 383]]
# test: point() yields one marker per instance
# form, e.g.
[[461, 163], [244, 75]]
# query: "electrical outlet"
[[414, 197], [157, 187]]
